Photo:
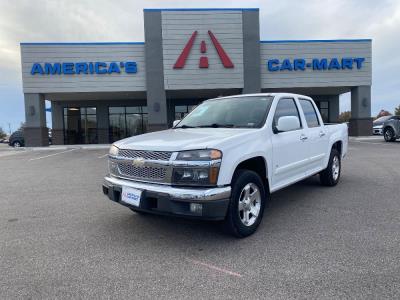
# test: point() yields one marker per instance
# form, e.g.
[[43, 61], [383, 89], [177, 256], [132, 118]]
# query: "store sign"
[[315, 64], [203, 60], [70, 68]]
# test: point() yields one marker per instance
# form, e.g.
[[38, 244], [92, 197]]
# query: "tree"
[[383, 113], [344, 116], [21, 126], [397, 111], [2, 134]]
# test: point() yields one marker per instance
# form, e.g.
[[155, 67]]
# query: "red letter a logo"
[[203, 62]]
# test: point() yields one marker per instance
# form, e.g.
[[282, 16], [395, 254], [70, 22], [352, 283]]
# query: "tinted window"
[[286, 107], [309, 113]]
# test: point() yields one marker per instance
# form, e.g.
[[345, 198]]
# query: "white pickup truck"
[[222, 161]]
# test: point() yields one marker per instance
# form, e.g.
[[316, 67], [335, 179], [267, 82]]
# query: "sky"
[[122, 20]]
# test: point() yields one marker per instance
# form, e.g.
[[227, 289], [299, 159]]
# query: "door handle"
[[303, 137], [321, 134]]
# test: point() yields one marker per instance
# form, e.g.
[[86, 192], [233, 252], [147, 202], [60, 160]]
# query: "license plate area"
[[131, 196]]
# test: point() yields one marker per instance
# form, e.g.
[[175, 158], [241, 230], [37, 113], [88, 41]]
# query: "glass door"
[[80, 125]]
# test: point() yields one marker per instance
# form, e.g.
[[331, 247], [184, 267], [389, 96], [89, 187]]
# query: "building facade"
[[102, 92]]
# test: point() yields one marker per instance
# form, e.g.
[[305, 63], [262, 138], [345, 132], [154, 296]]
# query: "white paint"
[[288, 158], [50, 155]]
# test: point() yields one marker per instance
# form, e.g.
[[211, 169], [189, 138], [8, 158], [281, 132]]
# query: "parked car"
[[17, 139], [378, 125], [222, 161], [391, 129]]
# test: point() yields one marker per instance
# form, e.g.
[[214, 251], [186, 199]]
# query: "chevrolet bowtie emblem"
[[138, 162]]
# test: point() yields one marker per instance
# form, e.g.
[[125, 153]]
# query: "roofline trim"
[[201, 9], [82, 43], [316, 41]]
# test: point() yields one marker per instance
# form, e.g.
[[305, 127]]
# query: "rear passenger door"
[[289, 148], [317, 136]]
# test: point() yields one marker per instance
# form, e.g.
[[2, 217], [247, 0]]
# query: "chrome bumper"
[[176, 193]]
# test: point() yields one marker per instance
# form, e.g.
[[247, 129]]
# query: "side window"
[[309, 113], [286, 107]]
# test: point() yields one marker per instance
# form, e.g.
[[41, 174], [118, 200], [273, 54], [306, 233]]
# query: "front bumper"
[[168, 200], [377, 131]]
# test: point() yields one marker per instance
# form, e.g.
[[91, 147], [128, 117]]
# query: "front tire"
[[331, 175], [388, 134], [246, 206]]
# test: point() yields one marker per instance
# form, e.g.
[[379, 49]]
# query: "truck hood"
[[183, 139]]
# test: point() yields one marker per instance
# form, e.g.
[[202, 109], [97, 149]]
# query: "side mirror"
[[288, 123], [176, 122]]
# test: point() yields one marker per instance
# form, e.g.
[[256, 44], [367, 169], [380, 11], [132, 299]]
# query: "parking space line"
[[215, 268], [41, 157], [103, 155], [371, 143]]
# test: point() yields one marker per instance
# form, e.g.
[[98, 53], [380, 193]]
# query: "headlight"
[[112, 165], [199, 155], [113, 150], [204, 173]]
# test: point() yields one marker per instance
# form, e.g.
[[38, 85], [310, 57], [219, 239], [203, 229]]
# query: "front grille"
[[143, 173], [154, 155]]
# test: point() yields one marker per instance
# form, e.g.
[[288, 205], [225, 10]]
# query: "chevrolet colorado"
[[222, 161]]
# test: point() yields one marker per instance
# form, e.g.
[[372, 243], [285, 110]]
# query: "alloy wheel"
[[249, 204]]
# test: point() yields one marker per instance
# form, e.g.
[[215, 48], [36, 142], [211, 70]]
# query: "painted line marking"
[[215, 268], [103, 155], [41, 157], [370, 143]]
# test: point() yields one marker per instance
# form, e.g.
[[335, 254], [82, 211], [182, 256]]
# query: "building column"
[[35, 131], [57, 116], [156, 97], [334, 109], [361, 121], [103, 124], [251, 52]]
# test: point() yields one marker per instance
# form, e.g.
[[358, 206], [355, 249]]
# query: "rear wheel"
[[246, 206], [331, 175], [16, 144], [388, 134]]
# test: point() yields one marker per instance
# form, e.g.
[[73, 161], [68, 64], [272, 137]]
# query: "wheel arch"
[[338, 145], [257, 164]]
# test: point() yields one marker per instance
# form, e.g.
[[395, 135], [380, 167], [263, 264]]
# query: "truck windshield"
[[234, 112]]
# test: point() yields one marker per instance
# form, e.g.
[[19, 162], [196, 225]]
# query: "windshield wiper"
[[185, 126], [216, 125]]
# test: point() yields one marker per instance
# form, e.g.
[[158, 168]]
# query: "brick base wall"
[[360, 127], [36, 136]]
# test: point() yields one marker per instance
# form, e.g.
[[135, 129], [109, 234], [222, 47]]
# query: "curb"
[[366, 138], [61, 147]]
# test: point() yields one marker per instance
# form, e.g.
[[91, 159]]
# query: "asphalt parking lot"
[[61, 238]]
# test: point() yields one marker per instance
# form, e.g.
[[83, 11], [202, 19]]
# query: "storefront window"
[[80, 125], [181, 111], [323, 107], [127, 121]]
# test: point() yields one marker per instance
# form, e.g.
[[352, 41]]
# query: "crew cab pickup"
[[225, 158]]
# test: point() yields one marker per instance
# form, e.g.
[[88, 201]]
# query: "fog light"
[[196, 208]]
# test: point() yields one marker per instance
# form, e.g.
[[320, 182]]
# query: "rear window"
[[309, 113]]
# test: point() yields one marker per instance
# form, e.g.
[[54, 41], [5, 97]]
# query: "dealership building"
[[102, 92]]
